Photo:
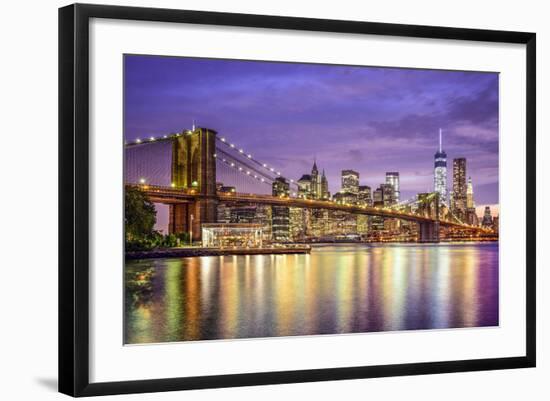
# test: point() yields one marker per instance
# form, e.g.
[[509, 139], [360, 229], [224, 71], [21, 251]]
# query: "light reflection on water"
[[335, 289]]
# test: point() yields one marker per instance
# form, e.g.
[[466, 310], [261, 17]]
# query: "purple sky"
[[368, 119]]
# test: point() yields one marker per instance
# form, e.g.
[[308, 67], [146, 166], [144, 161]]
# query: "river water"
[[335, 289]]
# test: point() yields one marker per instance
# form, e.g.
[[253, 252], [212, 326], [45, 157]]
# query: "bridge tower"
[[194, 169], [428, 206]]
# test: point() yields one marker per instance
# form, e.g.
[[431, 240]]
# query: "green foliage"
[[140, 215], [139, 222]]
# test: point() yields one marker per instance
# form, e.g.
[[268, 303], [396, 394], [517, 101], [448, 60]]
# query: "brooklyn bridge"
[[182, 170]]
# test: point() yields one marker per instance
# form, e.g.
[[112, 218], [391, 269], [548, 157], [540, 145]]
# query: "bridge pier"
[[428, 231], [194, 168], [189, 217]]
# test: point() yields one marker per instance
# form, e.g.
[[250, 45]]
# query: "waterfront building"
[[297, 223], [459, 187], [280, 215], [350, 181], [392, 178], [440, 171], [229, 235]]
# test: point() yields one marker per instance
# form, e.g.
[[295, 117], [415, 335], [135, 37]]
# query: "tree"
[[140, 215]]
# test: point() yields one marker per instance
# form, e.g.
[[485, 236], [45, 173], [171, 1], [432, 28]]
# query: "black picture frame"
[[74, 198]]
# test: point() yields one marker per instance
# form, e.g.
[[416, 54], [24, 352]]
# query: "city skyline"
[[409, 105]]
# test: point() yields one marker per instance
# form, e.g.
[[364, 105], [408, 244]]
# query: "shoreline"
[[195, 252], [305, 249]]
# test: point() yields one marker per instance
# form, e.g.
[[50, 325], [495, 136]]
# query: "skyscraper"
[[392, 178], [487, 218], [459, 187], [470, 194], [325, 194], [280, 215], [313, 186], [315, 182], [350, 181], [440, 171]]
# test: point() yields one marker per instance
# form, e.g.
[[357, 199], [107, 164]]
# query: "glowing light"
[[278, 173], [165, 136], [291, 180], [241, 151], [265, 165], [222, 139], [263, 180], [231, 145], [142, 180], [173, 185], [240, 169], [152, 138], [215, 155], [248, 172], [249, 156], [272, 169], [232, 164], [138, 140]]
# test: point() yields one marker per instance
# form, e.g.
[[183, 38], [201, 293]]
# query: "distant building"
[[364, 196], [345, 198], [459, 188], [280, 215], [440, 171], [470, 195], [487, 218], [350, 181], [392, 178], [313, 186]]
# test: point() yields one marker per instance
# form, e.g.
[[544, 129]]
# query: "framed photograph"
[[250, 199]]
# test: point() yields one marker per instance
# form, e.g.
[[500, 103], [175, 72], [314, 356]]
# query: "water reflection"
[[335, 289]]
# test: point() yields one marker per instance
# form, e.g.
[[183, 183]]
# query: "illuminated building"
[[222, 235], [392, 178], [440, 171], [325, 194], [470, 194], [280, 215], [459, 187], [297, 223], [315, 182], [471, 216], [350, 181], [364, 196], [496, 224], [487, 218], [304, 186], [313, 186], [345, 198]]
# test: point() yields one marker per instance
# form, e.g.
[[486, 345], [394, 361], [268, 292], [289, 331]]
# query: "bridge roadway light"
[[222, 139], [138, 140], [142, 180]]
